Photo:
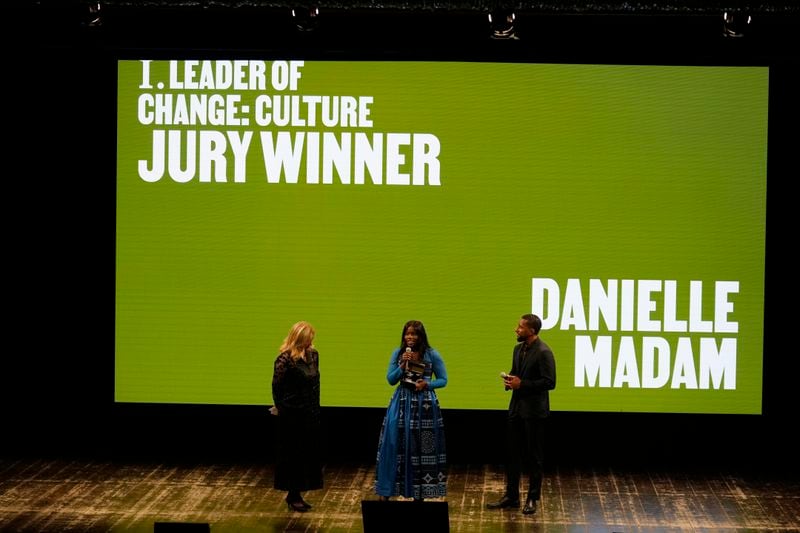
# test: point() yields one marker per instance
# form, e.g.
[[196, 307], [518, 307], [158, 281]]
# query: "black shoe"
[[305, 503], [297, 506], [504, 503], [530, 507]]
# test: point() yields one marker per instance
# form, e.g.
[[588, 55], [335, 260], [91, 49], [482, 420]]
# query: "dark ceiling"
[[673, 7], [678, 31]]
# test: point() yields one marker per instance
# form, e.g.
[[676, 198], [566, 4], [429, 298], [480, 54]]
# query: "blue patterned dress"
[[412, 461]]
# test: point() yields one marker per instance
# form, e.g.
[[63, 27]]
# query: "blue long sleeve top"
[[432, 357]]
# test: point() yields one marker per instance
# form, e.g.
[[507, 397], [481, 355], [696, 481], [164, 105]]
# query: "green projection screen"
[[625, 205]]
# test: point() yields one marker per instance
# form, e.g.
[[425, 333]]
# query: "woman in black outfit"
[[295, 391]]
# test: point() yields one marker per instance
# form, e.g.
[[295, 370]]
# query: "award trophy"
[[414, 372]]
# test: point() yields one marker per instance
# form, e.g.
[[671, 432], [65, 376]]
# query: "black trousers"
[[525, 455]]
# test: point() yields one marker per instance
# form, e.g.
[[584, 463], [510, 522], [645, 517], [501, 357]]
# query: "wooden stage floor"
[[94, 496]]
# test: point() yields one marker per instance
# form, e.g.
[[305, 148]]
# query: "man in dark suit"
[[532, 377]]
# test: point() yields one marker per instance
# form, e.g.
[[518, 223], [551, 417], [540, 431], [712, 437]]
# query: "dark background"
[[59, 197]]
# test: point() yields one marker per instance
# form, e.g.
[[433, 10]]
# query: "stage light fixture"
[[501, 24], [735, 24], [93, 15], [306, 18]]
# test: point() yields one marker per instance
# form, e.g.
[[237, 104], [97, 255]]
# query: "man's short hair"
[[534, 322]]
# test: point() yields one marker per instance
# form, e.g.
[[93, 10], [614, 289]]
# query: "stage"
[[92, 496]]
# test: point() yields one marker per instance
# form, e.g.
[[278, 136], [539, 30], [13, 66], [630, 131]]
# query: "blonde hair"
[[299, 339]]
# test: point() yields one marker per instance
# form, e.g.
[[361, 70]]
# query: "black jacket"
[[537, 370]]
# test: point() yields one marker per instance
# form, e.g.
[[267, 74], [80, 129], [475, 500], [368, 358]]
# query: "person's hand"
[[273, 411], [513, 382], [407, 356], [421, 384]]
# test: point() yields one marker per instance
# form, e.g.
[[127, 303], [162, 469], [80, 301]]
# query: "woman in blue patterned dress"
[[411, 450]]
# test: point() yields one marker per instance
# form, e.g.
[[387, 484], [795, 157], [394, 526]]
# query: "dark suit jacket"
[[537, 370]]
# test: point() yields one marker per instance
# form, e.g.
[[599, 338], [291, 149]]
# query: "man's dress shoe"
[[530, 507], [504, 503]]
